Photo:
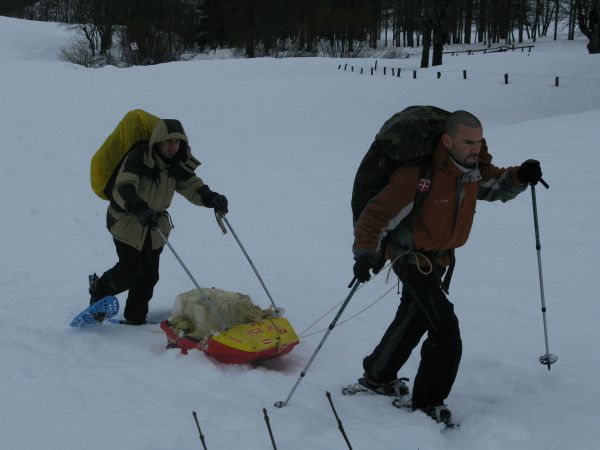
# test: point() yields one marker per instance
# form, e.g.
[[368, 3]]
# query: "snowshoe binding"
[[396, 388]]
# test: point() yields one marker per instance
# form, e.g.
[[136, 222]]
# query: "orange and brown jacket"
[[443, 218]]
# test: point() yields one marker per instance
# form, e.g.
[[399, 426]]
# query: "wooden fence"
[[502, 48]]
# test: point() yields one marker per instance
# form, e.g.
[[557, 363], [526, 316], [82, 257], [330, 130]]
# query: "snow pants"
[[424, 308], [137, 272]]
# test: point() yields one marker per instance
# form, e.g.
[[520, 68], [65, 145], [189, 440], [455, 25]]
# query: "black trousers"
[[136, 272], [423, 308]]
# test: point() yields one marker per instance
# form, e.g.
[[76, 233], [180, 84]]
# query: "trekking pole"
[[199, 430], [204, 298], [267, 421], [548, 358], [280, 404], [223, 218], [340, 426]]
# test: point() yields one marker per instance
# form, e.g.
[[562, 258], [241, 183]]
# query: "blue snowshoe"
[[106, 308]]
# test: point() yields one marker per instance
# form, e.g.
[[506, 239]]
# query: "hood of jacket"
[[167, 129]]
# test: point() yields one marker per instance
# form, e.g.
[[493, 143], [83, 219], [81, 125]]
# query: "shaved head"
[[461, 118]]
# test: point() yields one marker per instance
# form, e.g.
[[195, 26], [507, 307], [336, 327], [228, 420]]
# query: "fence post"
[[351, 68], [439, 75], [339, 67], [375, 64], [414, 74], [384, 69], [556, 82], [398, 72], [464, 74], [393, 71], [345, 66], [361, 70], [371, 71], [505, 78]]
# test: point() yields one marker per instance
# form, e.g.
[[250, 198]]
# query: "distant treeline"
[[152, 31]]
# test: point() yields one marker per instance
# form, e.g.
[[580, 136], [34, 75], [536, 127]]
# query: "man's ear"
[[447, 140]]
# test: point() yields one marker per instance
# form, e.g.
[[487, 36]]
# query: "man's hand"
[[148, 218], [530, 172], [220, 204], [362, 267], [213, 200]]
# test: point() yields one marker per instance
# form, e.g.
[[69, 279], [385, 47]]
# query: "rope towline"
[[389, 267], [302, 335]]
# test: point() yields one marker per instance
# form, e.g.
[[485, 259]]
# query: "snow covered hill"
[[282, 139]]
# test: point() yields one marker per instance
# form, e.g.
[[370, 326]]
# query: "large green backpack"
[[407, 138]]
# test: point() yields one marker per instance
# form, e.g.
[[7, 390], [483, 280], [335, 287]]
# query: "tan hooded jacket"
[[155, 181]]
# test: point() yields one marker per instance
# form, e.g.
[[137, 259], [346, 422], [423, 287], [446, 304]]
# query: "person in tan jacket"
[[140, 191], [421, 241]]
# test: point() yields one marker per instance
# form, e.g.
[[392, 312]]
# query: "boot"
[[94, 297], [440, 413]]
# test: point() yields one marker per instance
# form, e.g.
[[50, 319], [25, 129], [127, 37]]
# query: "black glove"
[[220, 204], [362, 267], [148, 218], [214, 200], [530, 172]]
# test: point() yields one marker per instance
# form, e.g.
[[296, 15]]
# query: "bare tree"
[[588, 18], [440, 30]]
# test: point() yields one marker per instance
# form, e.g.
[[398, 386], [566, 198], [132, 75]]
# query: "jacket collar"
[[159, 162], [444, 162]]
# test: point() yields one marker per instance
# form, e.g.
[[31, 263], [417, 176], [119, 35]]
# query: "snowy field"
[[282, 139]]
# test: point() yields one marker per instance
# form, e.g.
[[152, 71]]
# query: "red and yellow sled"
[[240, 344]]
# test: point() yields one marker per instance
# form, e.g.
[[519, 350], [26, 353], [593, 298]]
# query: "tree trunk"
[[250, 35], [426, 45], [536, 21], [482, 21], [440, 31], [571, 35], [522, 19], [590, 25], [557, 3], [468, 20]]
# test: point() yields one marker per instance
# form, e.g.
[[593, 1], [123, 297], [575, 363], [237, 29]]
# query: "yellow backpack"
[[136, 125]]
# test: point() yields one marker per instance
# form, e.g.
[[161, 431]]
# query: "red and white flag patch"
[[424, 185]]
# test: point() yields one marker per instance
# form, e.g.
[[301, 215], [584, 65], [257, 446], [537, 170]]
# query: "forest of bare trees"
[[153, 31]]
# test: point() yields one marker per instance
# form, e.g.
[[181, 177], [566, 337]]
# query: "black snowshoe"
[[396, 388]]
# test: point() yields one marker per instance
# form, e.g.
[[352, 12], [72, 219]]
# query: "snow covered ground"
[[282, 139]]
